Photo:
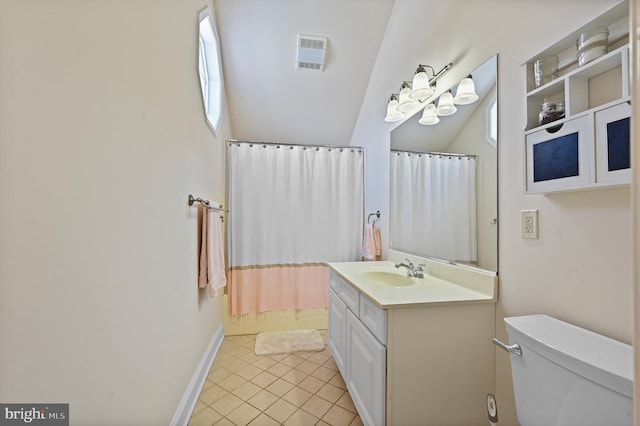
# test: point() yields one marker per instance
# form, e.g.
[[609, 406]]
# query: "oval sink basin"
[[387, 278]]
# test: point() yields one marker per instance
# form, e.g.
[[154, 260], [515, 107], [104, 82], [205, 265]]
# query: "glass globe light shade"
[[466, 93], [393, 114], [405, 103], [445, 105], [429, 116], [420, 88]]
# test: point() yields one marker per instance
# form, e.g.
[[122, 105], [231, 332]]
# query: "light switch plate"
[[529, 224]]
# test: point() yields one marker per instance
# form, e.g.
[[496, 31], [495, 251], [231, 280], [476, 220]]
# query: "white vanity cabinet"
[[360, 356], [366, 368], [412, 363]]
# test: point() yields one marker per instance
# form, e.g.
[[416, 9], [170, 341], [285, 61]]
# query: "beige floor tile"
[[294, 376], [212, 394], [330, 364], [251, 357], [278, 357], [292, 360], [232, 382], [323, 374], [303, 389], [243, 415], [264, 363], [226, 404], [264, 420], [264, 379], [246, 391], [235, 365], [338, 381], [301, 418], [278, 369], [337, 416], [316, 406], [223, 357], [346, 402], [262, 400], [319, 358], [249, 372], [224, 422], [199, 407], [281, 410], [279, 387], [297, 396], [311, 384], [307, 367], [205, 417], [357, 421], [330, 393], [218, 373]]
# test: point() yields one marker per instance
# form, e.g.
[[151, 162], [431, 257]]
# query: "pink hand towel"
[[215, 254], [203, 271], [377, 242], [212, 269], [368, 243]]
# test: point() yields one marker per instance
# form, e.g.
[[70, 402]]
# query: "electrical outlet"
[[529, 224]]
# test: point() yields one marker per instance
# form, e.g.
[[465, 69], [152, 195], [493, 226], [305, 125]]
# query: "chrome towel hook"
[[376, 214]]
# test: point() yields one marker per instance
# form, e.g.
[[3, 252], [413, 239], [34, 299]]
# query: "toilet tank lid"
[[592, 355]]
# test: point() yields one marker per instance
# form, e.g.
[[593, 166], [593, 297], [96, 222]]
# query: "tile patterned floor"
[[300, 389]]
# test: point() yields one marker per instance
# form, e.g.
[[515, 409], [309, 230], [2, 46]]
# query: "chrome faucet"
[[412, 271]]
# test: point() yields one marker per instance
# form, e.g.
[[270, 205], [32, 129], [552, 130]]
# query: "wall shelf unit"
[[586, 148]]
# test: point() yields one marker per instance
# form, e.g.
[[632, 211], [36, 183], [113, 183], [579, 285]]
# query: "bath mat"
[[281, 342]]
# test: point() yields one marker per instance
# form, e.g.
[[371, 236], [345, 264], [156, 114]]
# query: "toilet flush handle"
[[514, 349]]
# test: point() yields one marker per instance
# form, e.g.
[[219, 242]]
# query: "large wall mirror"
[[444, 186]]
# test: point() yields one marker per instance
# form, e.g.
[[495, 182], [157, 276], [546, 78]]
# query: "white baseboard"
[[190, 397]]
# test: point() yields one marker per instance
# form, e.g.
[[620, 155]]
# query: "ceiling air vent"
[[311, 52]]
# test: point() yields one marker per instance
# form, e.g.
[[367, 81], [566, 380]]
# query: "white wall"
[[580, 268], [102, 137]]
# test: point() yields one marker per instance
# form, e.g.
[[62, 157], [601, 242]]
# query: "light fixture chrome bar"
[[441, 72]]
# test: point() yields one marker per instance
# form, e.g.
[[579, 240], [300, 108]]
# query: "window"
[[492, 122], [210, 70]]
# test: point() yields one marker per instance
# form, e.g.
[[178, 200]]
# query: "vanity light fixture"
[[405, 103], [414, 93], [429, 116], [445, 104], [393, 114], [466, 93]]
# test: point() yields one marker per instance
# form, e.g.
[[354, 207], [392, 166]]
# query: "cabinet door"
[[561, 160], [366, 372], [338, 330], [613, 153]]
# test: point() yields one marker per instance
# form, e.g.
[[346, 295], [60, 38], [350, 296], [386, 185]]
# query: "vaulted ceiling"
[[268, 98], [373, 45]]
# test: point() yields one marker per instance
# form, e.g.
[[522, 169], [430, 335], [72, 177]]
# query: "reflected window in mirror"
[[210, 69], [492, 121]]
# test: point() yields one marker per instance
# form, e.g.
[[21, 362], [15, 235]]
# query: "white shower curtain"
[[433, 205], [293, 209]]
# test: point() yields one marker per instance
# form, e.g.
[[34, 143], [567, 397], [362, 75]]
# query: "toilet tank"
[[567, 375]]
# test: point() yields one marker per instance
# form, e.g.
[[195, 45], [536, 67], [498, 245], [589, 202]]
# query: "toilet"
[[567, 375]]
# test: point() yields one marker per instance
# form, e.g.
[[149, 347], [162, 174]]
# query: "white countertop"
[[427, 290]]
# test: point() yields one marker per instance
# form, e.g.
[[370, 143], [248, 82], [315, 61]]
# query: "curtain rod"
[[232, 141], [446, 154]]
